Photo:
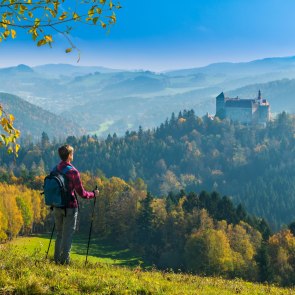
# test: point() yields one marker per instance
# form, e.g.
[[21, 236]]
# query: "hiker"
[[66, 218]]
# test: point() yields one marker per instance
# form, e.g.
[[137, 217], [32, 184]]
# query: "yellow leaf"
[[68, 50], [91, 12], [55, 4], [48, 38], [63, 16], [3, 122], [34, 35], [6, 33], [11, 117], [17, 147], [111, 4], [113, 18], [37, 22], [17, 133], [75, 16], [13, 33], [53, 13], [103, 24]]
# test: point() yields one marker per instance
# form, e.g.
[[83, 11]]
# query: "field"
[[99, 251], [24, 270]]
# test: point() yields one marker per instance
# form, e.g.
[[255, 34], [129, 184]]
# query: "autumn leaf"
[[63, 16], [41, 42], [95, 20], [103, 24], [13, 33], [48, 38]]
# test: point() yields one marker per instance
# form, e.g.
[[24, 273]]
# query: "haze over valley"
[[100, 101]]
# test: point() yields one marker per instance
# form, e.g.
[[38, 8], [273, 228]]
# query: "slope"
[[33, 120], [30, 274]]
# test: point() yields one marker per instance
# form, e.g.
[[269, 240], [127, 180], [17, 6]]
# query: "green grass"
[[23, 270], [103, 127], [99, 251]]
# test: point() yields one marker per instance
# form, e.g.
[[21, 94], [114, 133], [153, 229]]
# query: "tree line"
[[252, 164]]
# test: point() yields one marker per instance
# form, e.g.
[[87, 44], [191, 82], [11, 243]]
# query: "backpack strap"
[[66, 169]]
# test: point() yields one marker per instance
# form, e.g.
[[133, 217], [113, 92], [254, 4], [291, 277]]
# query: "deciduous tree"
[[42, 18]]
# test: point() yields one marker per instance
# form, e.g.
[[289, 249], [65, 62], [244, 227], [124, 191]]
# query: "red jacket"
[[74, 185]]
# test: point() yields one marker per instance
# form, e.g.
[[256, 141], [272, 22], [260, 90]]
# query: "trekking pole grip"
[[96, 188]]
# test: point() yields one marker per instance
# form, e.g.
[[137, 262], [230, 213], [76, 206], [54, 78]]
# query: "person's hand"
[[96, 193]]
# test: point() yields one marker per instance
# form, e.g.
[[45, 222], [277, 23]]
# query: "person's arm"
[[79, 187]]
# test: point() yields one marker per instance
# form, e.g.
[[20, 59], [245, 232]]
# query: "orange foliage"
[[11, 216]]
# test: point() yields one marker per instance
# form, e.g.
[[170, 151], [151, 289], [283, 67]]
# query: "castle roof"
[[220, 96], [239, 103]]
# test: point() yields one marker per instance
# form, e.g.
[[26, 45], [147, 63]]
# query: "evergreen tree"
[[144, 223]]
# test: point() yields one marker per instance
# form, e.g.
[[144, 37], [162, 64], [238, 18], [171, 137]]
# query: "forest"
[[195, 195], [201, 233], [253, 165]]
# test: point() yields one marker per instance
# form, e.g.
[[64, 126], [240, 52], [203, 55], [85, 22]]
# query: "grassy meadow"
[[24, 270], [99, 250]]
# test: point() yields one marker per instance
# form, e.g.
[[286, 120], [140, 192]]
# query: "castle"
[[246, 111]]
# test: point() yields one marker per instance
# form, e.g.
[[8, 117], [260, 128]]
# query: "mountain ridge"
[[114, 101], [33, 120]]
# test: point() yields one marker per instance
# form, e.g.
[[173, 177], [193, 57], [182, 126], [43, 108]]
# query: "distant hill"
[[107, 101], [261, 66], [62, 70], [33, 120]]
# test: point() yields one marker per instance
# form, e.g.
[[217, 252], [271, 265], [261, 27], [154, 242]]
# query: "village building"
[[246, 111]]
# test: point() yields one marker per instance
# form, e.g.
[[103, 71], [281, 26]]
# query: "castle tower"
[[263, 110], [259, 98], [220, 106]]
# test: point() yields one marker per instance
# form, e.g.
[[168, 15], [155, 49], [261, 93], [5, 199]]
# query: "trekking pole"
[[50, 240], [90, 227]]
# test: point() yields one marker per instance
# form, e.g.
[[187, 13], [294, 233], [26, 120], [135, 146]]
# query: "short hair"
[[64, 151]]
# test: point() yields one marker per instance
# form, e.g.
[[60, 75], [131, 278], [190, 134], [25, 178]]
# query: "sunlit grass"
[[99, 250], [24, 270], [103, 127]]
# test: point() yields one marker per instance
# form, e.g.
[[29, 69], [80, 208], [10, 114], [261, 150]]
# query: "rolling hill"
[[33, 120], [106, 100]]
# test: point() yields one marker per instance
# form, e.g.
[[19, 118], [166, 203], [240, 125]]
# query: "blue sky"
[[162, 35]]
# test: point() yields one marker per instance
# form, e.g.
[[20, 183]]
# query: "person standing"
[[66, 218]]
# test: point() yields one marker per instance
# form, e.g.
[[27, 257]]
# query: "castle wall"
[[264, 113], [246, 111], [220, 109], [243, 115]]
